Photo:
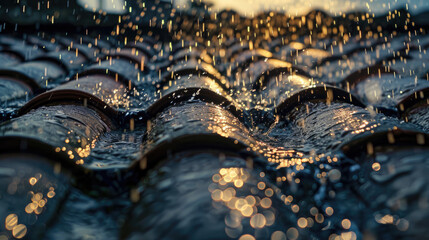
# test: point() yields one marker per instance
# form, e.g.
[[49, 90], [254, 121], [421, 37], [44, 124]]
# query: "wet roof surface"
[[167, 124]]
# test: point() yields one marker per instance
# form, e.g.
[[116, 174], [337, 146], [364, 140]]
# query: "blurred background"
[[298, 7]]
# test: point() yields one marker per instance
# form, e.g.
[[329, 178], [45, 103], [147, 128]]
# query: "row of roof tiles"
[[259, 110]]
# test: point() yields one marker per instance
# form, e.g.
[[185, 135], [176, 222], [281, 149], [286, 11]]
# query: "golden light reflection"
[[376, 166], [247, 237], [346, 224], [350, 122], [193, 81], [19, 231], [11, 221], [84, 149], [33, 181], [258, 221], [36, 206], [292, 233], [329, 211], [302, 222], [246, 206], [278, 235]]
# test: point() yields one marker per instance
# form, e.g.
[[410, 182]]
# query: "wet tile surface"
[[167, 124]]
